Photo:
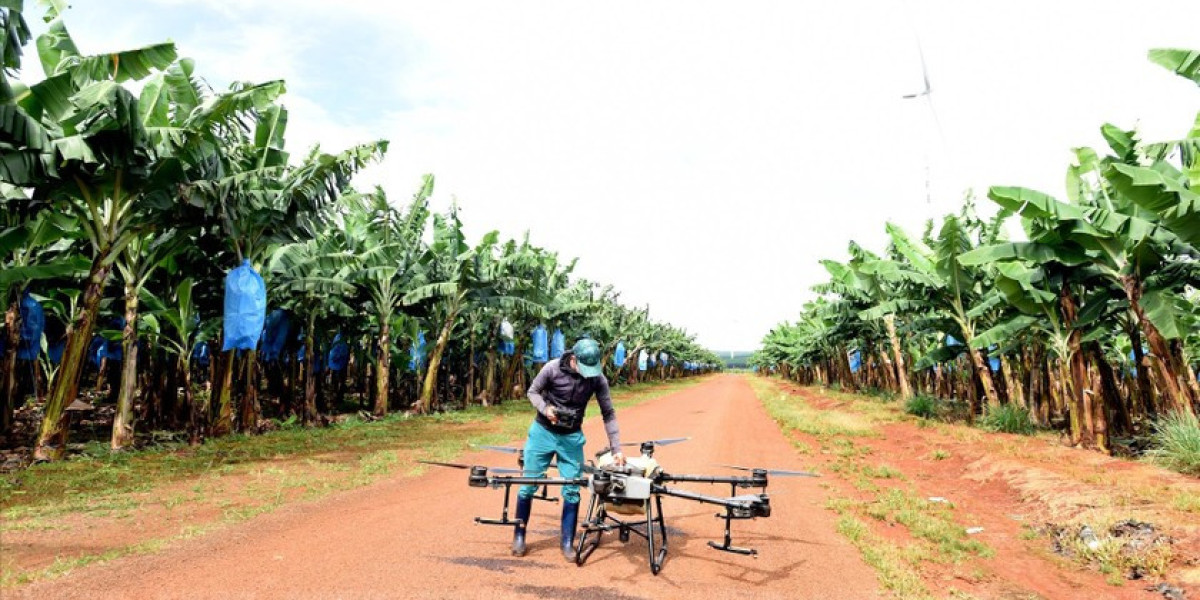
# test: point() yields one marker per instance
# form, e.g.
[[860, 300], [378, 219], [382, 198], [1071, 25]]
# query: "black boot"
[[570, 516], [524, 507]]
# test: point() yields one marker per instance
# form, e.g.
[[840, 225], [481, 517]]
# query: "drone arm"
[[733, 480], [495, 481], [738, 504]]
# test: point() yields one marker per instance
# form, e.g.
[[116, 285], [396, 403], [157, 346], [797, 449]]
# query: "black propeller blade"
[[459, 466], [775, 472], [662, 442], [444, 464]]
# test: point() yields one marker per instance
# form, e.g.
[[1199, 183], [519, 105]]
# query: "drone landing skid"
[[594, 528], [734, 549], [544, 494], [503, 520]]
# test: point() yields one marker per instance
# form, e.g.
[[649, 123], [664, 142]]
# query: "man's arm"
[[604, 399], [535, 393]]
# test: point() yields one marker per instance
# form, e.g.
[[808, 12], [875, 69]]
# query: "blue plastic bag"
[[116, 351], [558, 344], [541, 350], [339, 354], [55, 351], [200, 355], [245, 308], [619, 355], [508, 347], [97, 350], [642, 360], [662, 358], [318, 361], [275, 333], [416, 353], [855, 361], [33, 323]]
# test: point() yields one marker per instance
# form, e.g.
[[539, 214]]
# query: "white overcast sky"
[[700, 156]]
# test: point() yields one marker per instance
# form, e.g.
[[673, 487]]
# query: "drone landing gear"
[[728, 546], [503, 520], [544, 494], [594, 528]]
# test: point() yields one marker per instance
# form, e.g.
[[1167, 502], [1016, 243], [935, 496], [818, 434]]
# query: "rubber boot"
[[570, 516], [524, 507]]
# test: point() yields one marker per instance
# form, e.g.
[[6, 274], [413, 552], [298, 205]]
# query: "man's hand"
[[619, 459], [551, 415]]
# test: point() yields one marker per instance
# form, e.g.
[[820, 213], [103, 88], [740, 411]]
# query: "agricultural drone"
[[628, 498]]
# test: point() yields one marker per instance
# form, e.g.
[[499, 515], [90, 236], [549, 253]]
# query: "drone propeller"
[[444, 464], [775, 472], [501, 470], [507, 449], [662, 442]]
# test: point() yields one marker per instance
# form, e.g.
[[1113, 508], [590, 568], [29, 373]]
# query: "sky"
[[701, 157]]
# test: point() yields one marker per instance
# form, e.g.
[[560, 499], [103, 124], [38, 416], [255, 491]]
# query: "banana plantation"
[[164, 255], [1082, 309]]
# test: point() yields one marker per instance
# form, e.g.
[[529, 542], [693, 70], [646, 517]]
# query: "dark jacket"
[[558, 385]]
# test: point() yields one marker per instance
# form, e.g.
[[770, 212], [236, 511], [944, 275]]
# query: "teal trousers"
[[543, 445]]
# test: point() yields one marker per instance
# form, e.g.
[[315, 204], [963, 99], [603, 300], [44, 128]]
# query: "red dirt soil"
[[1005, 482], [414, 537]]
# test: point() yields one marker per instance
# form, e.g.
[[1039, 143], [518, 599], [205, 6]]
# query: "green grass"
[[895, 573], [793, 413], [1176, 440], [1008, 418], [924, 407], [1187, 502], [929, 521]]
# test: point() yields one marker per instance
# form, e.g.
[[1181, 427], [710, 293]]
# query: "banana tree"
[[136, 263], [456, 275], [262, 201], [387, 242], [179, 311], [950, 289], [112, 160], [33, 248], [312, 278], [1105, 227]]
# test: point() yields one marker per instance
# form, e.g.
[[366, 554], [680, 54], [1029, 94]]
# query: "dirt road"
[[414, 537]]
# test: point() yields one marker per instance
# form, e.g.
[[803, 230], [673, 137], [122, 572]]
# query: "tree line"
[[130, 217], [1091, 322]]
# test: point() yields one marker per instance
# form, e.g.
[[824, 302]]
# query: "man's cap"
[[587, 353]]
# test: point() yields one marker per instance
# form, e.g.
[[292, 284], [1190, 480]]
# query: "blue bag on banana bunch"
[[245, 308]]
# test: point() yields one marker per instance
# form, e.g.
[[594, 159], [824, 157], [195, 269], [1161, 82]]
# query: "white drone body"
[[626, 488]]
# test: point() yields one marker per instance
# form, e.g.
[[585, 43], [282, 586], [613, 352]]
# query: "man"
[[560, 393]]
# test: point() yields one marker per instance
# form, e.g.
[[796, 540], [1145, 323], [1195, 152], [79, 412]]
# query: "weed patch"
[[1008, 418], [894, 572], [1176, 440], [924, 407]]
